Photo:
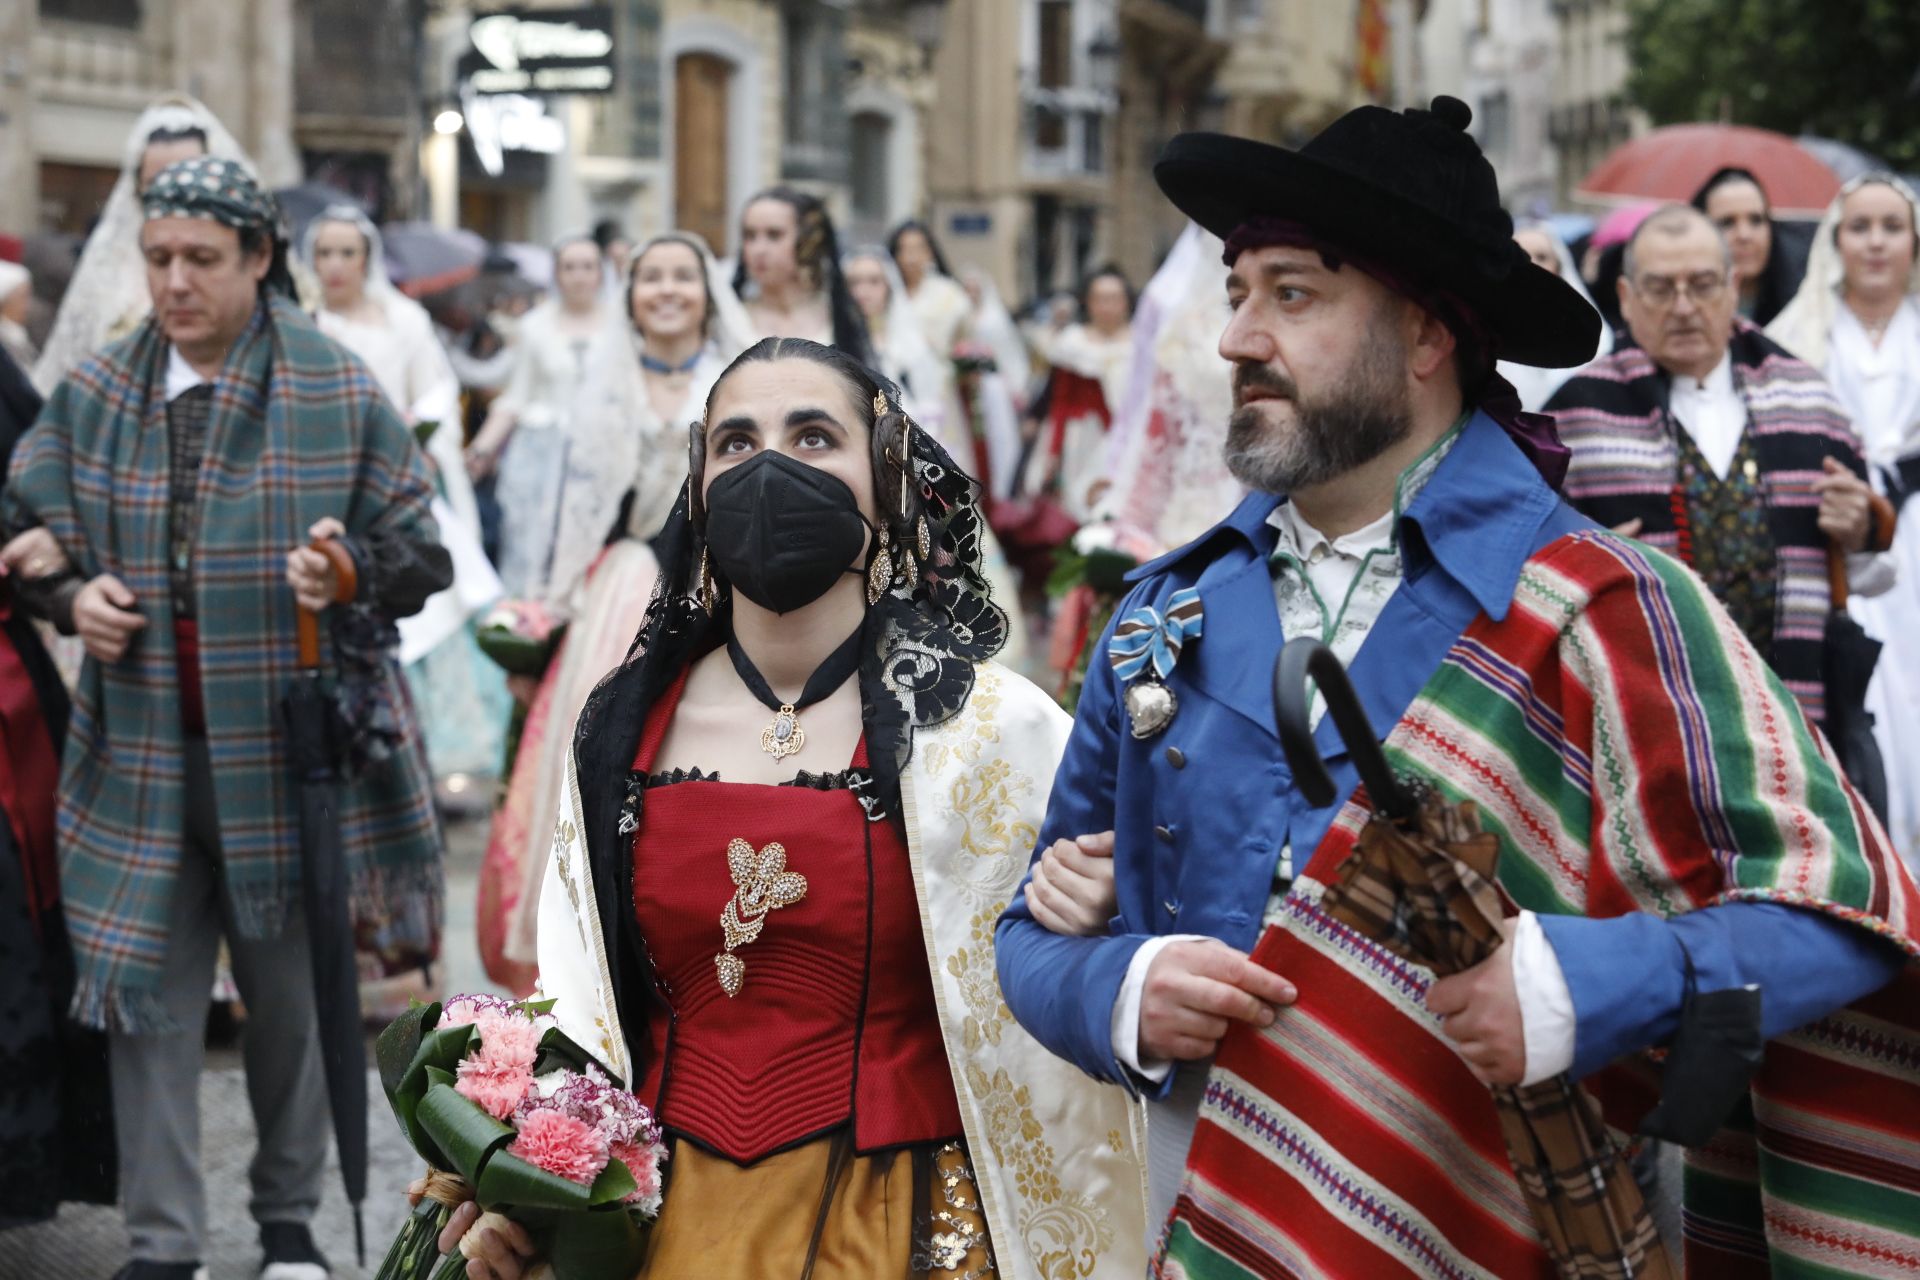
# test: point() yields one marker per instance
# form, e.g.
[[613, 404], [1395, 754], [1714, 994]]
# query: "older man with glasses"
[[1710, 441]]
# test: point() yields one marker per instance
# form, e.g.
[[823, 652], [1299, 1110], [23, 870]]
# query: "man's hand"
[[1480, 1008], [1195, 989], [34, 554], [106, 618], [499, 1250], [1846, 514], [310, 574], [1072, 888]]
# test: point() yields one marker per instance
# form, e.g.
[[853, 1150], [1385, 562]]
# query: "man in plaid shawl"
[[1668, 820], [183, 471]]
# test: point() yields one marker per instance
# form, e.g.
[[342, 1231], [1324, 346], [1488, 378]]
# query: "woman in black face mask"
[[795, 815]]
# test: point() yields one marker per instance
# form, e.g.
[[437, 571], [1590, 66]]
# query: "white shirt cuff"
[[1871, 573], [1546, 1006], [1125, 1026]]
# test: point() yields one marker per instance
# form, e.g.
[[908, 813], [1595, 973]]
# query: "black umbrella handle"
[[1305, 659]]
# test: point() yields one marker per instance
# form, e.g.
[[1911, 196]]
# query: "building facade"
[[1500, 57], [1591, 114]]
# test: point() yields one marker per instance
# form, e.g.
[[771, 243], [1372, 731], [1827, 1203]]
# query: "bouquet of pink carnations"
[[520, 635], [509, 1112]]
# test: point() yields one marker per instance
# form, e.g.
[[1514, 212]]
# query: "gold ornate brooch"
[[762, 883]]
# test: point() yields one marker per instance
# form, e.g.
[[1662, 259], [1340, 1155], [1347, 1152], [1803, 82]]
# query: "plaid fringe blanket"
[[298, 431], [1631, 753]]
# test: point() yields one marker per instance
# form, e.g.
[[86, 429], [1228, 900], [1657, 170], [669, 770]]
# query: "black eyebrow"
[[801, 417], [1273, 271], [796, 418]]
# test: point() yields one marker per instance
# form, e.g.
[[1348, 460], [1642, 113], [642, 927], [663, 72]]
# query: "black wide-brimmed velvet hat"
[[1409, 190]]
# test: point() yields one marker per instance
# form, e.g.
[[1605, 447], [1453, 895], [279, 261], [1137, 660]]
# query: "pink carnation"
[[507, 1039], [562, 1145], [495, 1087], [643, 1162], [459, 1011]]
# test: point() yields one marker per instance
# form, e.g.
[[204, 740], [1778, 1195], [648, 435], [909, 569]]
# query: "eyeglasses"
[[1662, 291]]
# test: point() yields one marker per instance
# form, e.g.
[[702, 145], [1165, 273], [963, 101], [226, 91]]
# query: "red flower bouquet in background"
[[506, 1110]]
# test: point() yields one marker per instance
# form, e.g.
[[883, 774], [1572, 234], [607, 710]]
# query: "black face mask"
[[783, 532]]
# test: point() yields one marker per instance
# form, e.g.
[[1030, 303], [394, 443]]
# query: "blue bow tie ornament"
[[1144, 649]]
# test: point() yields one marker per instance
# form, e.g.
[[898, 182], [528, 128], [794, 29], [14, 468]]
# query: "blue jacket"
[[1201, 812]]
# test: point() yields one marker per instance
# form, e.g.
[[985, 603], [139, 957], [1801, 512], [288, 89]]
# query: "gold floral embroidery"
[[1065, 1232], [981, 816], [972, 967], [762, 884]]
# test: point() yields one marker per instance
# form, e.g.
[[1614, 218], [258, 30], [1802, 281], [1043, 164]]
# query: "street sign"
[[539, 51], [970, 224]]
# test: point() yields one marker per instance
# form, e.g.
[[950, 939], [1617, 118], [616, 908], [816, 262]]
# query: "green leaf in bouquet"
[[395, 1049], [1107, 570], [593, 1246], [517, 654], [465, 1134], [508, 1182], [559, 1051], [539, 1008], [614, 1184], [423, 431]]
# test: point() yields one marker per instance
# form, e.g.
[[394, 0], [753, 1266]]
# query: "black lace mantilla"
[[924, 640]]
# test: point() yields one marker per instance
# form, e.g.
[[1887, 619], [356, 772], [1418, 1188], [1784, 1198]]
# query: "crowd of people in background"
[[519, 473]]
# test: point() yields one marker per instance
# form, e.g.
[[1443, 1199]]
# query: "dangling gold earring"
[[704, 592], [880, 572], [924, 537]]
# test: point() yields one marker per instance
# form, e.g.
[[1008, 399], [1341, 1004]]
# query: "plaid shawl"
[[1630, 751], [1626, 466], [299, 431]]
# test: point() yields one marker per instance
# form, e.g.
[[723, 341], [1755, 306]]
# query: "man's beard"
[[1366, 414]]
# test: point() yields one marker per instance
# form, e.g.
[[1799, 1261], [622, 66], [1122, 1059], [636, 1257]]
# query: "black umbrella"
[[424, 259], [313, 750], [1847, 663]]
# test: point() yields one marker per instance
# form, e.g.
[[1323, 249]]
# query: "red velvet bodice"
[[834, 1018]]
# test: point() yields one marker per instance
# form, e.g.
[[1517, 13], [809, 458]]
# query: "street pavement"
[[89, 1242]]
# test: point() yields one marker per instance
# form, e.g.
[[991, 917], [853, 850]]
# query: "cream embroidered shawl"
[[1057, 1154]]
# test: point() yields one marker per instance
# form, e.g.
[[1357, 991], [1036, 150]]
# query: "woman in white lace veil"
[[565, 417], [686, 327], [1170, 480], [1544, 245], [1856, 318], [107, 296], [462, 696], [939, 304], [900, 344]]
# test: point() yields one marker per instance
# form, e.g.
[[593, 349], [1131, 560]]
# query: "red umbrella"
[[1674, 162]]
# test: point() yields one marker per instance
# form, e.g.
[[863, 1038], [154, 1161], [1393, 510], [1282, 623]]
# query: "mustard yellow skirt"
[[820, 1212]]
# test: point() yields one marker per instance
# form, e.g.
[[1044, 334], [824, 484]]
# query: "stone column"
[[275, 153], [19, 169]]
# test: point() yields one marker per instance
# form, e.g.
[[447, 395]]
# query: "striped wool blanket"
[[1632, 753], [1626, 465]]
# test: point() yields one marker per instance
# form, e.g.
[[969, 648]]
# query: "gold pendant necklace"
[[783, 736]]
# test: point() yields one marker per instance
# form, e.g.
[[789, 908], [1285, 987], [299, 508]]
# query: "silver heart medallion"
[[1150, 707]]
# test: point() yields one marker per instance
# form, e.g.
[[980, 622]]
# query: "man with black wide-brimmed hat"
[[1665, 817]]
